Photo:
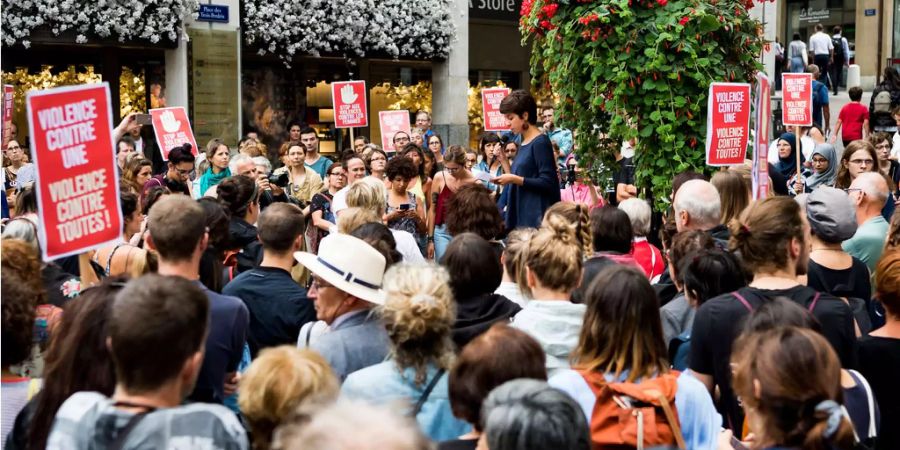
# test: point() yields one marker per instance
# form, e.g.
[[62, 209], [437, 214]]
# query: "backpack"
[[882, 102], [838, 43], [634, 415]]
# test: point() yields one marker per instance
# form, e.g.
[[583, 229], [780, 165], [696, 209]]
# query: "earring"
[[525, 125]]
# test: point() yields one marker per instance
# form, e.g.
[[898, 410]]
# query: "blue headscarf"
[[787, 167]]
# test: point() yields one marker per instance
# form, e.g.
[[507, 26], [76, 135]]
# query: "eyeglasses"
[[184, 173], [852, 190], [336, 174], [862, 162], [319, 283]]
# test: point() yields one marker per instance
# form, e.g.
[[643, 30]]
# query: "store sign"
[[348, 98], [814, 15], [760, 169], [172, 129], [490, 107], [213, 13], [870, 12], [506, 10], [797, 102], [727, 123], [77, 183], [8, 106], [391, 123]]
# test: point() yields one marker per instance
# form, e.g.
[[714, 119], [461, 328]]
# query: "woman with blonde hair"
[[278, 381], [578, 215], [734, 192], [418, 314], [553, 264], [136, 172], [370, 194], [513, 285]]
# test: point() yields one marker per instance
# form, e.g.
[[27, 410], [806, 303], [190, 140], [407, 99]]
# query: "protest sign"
[[77, 185], [797, 99], [172, 129], [7, 113], [760, 170], [727, 123], [391, 123], [490, 106], [348, 98]]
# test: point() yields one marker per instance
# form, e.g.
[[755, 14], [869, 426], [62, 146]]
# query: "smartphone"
[[737, 444], [143, 119], [405, 207]]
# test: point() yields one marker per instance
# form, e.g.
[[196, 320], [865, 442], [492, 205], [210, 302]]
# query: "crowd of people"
[[442, 297]]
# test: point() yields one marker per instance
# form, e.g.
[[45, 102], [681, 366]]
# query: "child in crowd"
[[853, 119]]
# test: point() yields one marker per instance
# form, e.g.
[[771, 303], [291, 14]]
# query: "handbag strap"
[[424, 397], [119, 442], [743, 300], [673, 421], [861, 380]]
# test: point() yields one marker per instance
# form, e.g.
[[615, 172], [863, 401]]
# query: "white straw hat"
[[349, 264]]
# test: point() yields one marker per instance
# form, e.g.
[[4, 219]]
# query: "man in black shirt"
[[773, 241], [278, 306]]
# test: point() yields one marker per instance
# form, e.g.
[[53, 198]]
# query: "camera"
[[570, 174], [281, 180]]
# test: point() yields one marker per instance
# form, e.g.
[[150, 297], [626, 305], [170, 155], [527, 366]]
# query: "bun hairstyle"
[[380, 238], [181, 154], [456, 154], [578, 215], [764, 230], [418, 314], [555, 255], [236, 193], [791, 377]]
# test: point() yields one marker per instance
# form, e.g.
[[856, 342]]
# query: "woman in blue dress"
[[533, 184]]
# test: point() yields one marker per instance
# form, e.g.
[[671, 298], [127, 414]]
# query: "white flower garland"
[[420, 29], [151, 20]]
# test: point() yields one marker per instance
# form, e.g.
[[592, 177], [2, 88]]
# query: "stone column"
[[450, 83]]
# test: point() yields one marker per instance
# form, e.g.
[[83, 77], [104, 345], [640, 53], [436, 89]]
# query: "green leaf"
[[708, 24]]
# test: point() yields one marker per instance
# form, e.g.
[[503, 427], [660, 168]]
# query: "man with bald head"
[[698, 207], [868, 191]]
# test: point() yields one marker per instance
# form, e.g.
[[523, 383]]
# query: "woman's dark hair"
[[472, 210], [128, 140], [332, 168], [380, 238], [684, 244], [519, 102], [368, 159], [129, 202], [622, 331], [429, 156], [473, 266], [487, 138], [709, 273], [212, 259], [152, 196], [77, 359], [26, 201], [236, 193], [415, 148], [796, 36], [611, 230], [500, 354], [181, 154], [19, 303], [403, 167]]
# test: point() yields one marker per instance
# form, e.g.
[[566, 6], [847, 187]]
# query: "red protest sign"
[[348, 98], [8, 106], [490, 107], [391, 123], [760, 170], [727, 123], [77, 186], [796, 108], [172, 129]]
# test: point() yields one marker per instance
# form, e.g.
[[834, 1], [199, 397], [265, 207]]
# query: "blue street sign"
[[213, 13], [870, 12]]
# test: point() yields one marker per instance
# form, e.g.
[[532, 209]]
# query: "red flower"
[[545, 24], [550, 10], [662, 2], [684, 20]]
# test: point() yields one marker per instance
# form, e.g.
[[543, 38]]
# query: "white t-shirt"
[[820, 44], [339, 200], [406, 245]]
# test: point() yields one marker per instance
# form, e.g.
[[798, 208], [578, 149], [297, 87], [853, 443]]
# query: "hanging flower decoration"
[[420, 29], [640, 69], [148, 20]]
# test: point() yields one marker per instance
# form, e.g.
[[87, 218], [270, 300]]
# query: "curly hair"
[[278, 381], [403, 167], [21, 259], [18, 306], [578, 215], [555, 256], [418, 314], [472, 210]]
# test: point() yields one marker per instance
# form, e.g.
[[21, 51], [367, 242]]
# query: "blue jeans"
[[797, 64], [442, 239]]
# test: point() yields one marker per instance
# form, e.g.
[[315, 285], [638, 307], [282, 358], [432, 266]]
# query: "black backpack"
[[838, 43]]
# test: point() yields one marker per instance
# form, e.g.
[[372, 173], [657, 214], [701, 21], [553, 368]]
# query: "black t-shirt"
[[278, 306], [879, 362], [719, 321], [625, 174], [851, 282]]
